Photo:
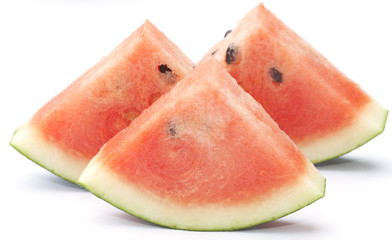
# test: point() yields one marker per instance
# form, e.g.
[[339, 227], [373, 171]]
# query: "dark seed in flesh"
[[231, 53], [167, 73], [228, 31], [163, 68], [172, 129], [276, 75]]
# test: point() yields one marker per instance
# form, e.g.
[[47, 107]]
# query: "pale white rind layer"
[[369, 123], [31, 143], [146, 205]]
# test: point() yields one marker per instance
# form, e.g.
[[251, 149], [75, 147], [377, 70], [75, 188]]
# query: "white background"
[[45, 45]]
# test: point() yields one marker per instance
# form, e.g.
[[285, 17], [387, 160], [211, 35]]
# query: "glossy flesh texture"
[[205, 156], [103, 101], [309, 98]]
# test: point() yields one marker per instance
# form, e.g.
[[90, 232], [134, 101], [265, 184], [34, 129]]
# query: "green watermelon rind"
[[240, 227], [41, 165], [369, 124], [371, 137], [95, 178], [27, 155], [28, 142]]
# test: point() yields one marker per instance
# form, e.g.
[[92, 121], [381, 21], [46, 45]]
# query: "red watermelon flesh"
[[70, 129], [321, 109], [205, 156]]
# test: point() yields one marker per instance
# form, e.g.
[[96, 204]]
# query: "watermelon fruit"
[[324, 112], [70, 129], [205, 156]]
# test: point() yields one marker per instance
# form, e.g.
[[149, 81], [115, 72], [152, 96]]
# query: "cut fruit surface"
[[70, 129], [205, 156], [324, 112]]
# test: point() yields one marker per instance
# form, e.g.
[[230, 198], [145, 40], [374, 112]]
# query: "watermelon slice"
[[205, 156], [70, 129], [324, 112]]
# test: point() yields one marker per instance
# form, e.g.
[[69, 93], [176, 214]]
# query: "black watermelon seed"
[[276, 75], [228, 31], [163, 68], [172, 128], [172, 131], [213, 53], [168, 74], [231, 53]]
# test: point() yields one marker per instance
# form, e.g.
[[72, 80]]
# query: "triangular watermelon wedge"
[[205, 156], [324, 112], [70, 129]]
